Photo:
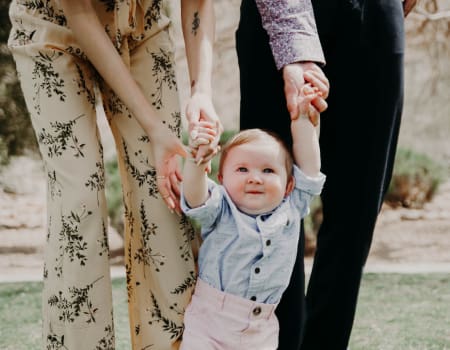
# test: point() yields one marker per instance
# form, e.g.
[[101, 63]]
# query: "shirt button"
[[253, 298], [256, 311], [257, 270], [268, 242]]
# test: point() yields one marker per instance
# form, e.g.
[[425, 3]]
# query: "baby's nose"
[[254, 178]]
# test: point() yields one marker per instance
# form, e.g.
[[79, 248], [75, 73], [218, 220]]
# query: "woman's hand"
[[96, 44], [166, 148]]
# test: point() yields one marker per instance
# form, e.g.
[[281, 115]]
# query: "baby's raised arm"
[[195, 187], [305, 146]]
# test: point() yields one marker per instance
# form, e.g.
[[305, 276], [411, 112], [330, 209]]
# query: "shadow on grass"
[[395, 312]]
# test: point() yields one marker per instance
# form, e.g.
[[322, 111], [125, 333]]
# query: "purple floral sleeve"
[[292, 31]]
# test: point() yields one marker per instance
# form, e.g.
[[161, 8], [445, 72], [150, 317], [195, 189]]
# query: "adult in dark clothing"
[[363, 45]]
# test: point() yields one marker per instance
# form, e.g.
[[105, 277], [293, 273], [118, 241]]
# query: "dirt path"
[[415, 238]]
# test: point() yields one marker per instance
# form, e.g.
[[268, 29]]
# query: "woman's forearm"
[[198, 23], [101, 52]]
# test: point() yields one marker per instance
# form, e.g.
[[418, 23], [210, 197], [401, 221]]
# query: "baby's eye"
[[242, 169], [268, 171]]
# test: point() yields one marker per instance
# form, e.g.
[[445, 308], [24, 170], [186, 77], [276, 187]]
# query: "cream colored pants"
[[58, 85]]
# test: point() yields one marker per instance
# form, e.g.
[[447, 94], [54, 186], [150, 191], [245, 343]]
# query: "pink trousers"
[[221, 321]]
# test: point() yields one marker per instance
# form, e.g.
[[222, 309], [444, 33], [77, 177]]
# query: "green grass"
[[395, 312], [20, 315], [403, 312]]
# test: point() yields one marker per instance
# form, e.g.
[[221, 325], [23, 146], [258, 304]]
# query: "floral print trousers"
[[61, 90]]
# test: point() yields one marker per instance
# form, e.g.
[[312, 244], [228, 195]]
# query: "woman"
[[68, 55]]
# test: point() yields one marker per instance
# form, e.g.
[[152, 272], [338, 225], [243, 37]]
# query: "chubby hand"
[[203, 134], [201, 109], [307, 94]]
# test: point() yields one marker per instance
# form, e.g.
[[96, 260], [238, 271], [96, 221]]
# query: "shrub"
[[415, 179], [16, 133], [114, 195]]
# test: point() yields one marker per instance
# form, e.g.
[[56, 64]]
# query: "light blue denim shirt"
[[248, 256]]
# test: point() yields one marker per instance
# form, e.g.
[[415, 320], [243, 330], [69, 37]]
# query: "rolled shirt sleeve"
[[306, 188], [292, 31], [208, 213]]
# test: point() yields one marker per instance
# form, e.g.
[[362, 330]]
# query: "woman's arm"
[[96, 44], [101, 52], [198, 22]]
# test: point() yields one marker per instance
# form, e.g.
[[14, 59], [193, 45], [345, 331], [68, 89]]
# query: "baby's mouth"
[[254, 192]]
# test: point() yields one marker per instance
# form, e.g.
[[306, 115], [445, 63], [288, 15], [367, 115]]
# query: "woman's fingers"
[[319, 81], [168, 175], [165, 191], [175, 192]]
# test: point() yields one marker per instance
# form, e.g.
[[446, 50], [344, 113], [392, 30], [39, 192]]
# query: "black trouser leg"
[[263, 105], [364, 54]]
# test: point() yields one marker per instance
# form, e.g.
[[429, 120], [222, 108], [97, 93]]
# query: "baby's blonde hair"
[[249, 135]]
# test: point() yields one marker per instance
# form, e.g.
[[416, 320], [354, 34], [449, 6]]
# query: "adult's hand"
[[295, 75], [166, 148], [200, 108], [408, 5]]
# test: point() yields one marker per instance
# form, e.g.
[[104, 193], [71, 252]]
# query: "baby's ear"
[[290, 186]]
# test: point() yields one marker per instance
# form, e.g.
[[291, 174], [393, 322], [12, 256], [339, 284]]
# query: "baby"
[[250, 226]]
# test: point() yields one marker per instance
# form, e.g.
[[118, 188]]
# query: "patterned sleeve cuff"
[[288, 49], [292, 31]]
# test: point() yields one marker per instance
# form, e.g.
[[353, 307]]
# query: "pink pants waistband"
[[237, 305]]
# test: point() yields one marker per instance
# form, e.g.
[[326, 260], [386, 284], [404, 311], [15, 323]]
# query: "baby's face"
[[254, 175]]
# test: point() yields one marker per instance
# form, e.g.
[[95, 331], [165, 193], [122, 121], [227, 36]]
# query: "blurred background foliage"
[[16, 135]]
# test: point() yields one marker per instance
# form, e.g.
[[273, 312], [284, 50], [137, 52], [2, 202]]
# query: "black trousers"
[[363, 42]]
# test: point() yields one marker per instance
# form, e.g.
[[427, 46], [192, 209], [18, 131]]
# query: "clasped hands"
[[306, 88], [204, 136]]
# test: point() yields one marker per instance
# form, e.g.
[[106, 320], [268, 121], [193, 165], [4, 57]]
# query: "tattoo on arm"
[[195, 23]]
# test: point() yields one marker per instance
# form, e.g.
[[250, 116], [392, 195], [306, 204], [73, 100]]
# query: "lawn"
[[395, 312]]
